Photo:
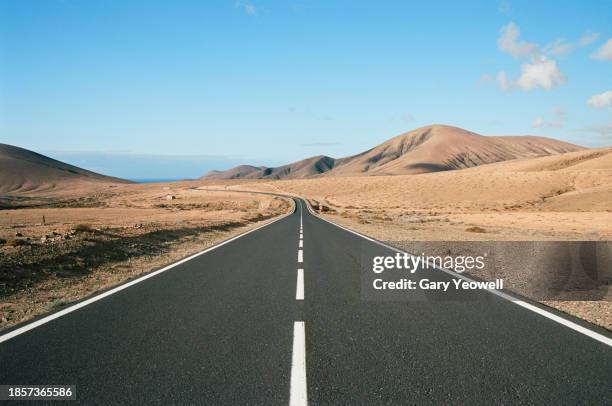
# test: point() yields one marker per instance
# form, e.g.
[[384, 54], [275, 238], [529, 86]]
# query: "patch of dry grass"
[[78, 251]]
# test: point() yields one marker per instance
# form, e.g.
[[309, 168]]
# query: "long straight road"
[[277, 316]]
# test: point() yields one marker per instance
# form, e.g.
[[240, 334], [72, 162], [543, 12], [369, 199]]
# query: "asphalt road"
[[237, 325]]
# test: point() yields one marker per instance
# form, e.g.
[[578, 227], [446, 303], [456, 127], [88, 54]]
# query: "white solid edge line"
[[299, 289], [576, 327], [298, 395], [84, 303], [300, 256]]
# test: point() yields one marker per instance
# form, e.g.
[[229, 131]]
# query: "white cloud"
[[502, 81], [559, 112], [558, 121], [601, 100], [540, 73], [539, 69], [538, 122], [604, 53], [561, 47], [504, 6], [249, 8], [588, 39], [603, 130], [510, 43]]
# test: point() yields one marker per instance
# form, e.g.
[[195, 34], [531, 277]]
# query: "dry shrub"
[[16, 242], [82, 228]]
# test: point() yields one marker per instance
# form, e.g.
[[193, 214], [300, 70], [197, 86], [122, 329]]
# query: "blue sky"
[[210, 84]]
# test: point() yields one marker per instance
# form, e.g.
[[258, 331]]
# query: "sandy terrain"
[[563, 197], [76, 235], [119, 234], [566, 197]]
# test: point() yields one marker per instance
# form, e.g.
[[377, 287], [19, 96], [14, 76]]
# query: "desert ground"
[[566, 197], [76, 241], [562, 197], [66, 233]]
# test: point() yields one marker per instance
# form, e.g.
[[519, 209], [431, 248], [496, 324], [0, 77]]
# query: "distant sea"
[[156, 180]]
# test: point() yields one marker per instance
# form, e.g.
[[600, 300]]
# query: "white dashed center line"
[[298, 395], [299, 290]]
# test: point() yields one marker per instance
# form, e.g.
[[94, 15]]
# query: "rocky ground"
[[53, 255]]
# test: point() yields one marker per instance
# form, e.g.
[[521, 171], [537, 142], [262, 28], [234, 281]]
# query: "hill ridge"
[[432, 148], [22, 171]]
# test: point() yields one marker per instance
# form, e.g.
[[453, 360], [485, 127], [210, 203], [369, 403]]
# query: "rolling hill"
[[301, 169], [428, 149], [24, 171]]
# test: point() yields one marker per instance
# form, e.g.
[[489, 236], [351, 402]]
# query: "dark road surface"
[[224, 328]]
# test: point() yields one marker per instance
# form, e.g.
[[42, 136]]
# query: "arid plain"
[[565, 197], [86, 237], [67, 233]]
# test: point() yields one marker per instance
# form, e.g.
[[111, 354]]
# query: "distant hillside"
[[427, 149], [297, 170], [24, 171]]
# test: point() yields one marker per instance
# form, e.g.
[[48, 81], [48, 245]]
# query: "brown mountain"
[[301, 169], [427, 149], [24, 171]]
